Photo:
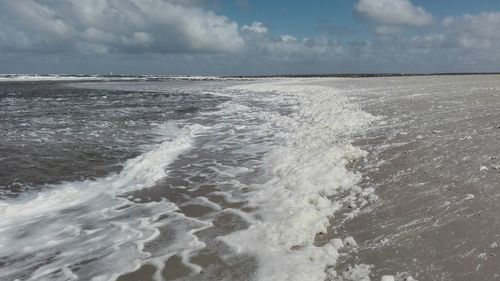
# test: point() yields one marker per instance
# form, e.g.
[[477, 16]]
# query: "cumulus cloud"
[[288, 38], [116, 26], [393, 12], [261, 46], [264, 47], [464, 43], [478, 31], [184, 36], [287, 48], [255, 27]]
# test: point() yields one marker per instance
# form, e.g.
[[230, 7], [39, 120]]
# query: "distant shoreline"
[[130, 77], [362, 75]]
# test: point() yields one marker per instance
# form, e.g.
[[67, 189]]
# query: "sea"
[[138, 178]]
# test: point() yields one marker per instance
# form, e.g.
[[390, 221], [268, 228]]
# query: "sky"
[[249, 37]]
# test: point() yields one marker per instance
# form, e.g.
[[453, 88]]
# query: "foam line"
[[305, 168]]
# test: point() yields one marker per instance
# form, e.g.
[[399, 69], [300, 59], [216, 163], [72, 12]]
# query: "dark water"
[[54, 132]]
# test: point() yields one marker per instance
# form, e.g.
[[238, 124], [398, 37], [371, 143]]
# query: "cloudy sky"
[[241, 37]]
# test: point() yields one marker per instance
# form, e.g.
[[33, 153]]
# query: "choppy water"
[[198, 180], [54, 133]]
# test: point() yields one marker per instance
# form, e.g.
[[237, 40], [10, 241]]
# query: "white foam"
[[305, 168], [137, 173], [387, 278], [54, 77], [79, 222], [305, 135]]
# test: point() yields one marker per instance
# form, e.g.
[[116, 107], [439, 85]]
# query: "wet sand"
[[435, 164], [190, 178]]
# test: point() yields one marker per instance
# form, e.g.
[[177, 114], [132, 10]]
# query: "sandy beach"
[[433, 160]]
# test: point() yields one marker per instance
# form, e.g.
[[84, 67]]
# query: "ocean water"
[[178, 179]]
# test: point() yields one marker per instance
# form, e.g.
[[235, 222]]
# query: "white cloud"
[[125, 26], [480, 31], [181, 36], [287, 48], [255, 27], [393, 12], [287, 38]]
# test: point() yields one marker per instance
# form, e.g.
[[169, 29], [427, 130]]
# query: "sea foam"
[[288, 144], [305, 169], [61, 233]]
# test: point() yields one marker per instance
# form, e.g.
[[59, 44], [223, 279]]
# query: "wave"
[[85, 230]]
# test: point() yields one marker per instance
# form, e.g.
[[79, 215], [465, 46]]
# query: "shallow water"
[[211, 180], [54, 133]]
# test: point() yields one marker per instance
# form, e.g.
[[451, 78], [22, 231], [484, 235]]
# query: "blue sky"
[[302, 18], [240, 37]]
